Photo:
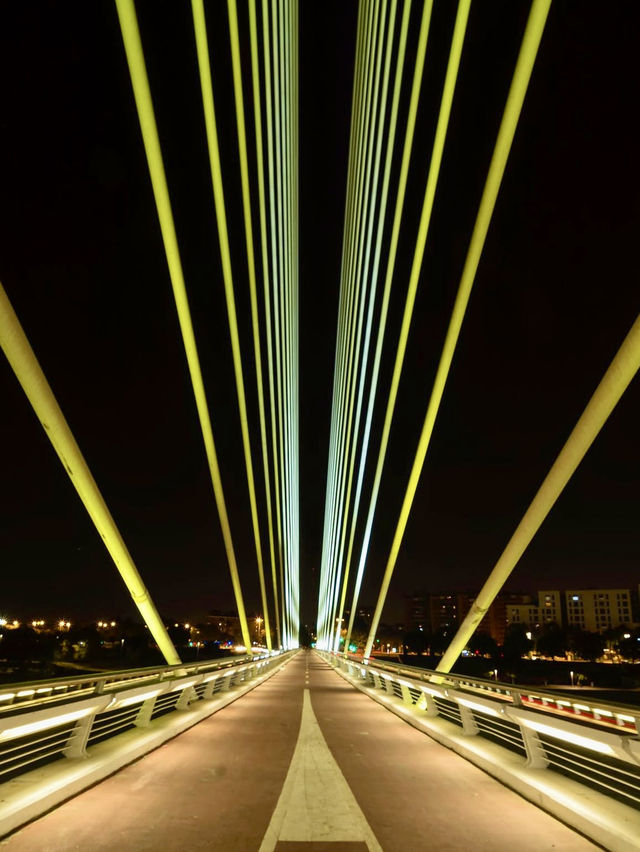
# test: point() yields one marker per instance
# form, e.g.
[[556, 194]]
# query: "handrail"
[[30, 694], [585, 709]]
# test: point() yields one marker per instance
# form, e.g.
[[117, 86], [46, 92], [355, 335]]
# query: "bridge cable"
[[361, 251], [144, 105], [24, 363], [373, 287], [383, 309], [257, 112], [513, 108], [365, 36], [246, 204], [615, 381], [446, 103], [270, 321], [323, 588], [202, 48], [402, 183]]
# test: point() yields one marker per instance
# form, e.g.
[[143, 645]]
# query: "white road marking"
[[316, 803]]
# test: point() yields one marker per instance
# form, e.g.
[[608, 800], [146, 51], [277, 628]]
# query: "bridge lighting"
[[144, 105], [44, 724], [34, 383], [402, 183], [522, 73]]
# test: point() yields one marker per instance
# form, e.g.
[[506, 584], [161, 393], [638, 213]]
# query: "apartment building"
[[597, 610]]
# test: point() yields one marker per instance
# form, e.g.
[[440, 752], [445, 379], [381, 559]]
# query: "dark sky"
[[82, 261]]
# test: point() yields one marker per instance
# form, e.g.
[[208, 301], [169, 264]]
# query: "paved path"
[[304, 763]]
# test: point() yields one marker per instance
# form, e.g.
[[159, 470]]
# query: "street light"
[[258, 628]]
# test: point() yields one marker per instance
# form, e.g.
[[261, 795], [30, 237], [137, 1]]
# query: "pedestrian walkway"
[[303, 763]]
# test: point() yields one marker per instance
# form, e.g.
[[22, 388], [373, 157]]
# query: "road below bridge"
[[304, 763]]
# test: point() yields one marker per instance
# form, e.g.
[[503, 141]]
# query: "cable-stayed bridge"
[[304, 761]]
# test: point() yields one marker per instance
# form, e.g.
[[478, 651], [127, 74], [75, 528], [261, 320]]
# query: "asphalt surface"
[[275, 770]]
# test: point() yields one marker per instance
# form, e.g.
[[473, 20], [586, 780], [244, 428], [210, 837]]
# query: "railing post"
[[186, 697], [469, 725], [427, 703], [536, 755], [143, 719], [209, 687], [406, 695], [77, 742]]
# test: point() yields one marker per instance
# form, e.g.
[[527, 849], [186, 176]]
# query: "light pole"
[[258, 628]]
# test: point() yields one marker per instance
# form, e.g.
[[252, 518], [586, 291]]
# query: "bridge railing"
[[43, 721], [593, 743]]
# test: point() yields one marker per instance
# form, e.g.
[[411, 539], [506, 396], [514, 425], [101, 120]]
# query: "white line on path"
[[316, 803]]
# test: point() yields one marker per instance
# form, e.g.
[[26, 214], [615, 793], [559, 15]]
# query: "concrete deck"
[[304, 763]]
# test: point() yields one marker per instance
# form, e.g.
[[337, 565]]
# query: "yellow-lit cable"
[[361, 110], [246, 205], [515, 100], [138, 72], [257, 113], [359, 278], [446, 103], [272, 343], [34, 383], [393, 249], [621, 371], [372, 298], [202, 49]]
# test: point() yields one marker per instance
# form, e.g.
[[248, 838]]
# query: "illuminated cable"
[[246, 205], [139, 80], [202, 48], [355, 302], [393, 248], [621, 371], [357, 362], [384, 307], [446, 103], [515, 100], [34, 383], [372, 297], [257, 112]]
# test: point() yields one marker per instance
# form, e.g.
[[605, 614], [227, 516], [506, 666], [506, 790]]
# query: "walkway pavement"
[[304, 763]]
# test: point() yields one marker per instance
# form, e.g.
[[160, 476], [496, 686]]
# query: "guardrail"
[[45, 721], [594, 744]]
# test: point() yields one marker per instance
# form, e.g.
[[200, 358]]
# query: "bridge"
[[290, 748]]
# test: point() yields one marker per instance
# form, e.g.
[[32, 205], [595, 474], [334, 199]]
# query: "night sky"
[[82, 261]]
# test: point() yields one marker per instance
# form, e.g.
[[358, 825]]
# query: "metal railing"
[[594, 743], [48, 720]]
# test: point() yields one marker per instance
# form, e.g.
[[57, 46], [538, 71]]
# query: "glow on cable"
[[621, 371], [246, 206], [358, 281], [385, 303], [257, 113], [393, 248], [446, 103], [372, 298], [202, 49], [138, 72], [38, 391]]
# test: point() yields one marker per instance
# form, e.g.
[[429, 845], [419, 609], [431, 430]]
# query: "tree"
[[483, 644], [415, 641], [516, 643], [552, 641], [585, 645]]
